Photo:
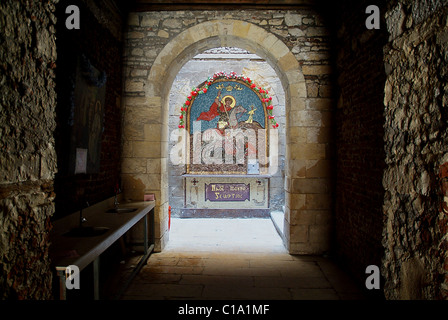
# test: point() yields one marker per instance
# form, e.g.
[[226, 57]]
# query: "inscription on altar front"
[[227, 192]]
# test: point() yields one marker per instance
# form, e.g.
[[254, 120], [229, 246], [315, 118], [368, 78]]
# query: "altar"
[[228, 122], [226, 196]]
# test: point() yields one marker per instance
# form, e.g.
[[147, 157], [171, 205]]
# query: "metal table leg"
[[145, 234], [96, 281], [62, 287], [147, 251]]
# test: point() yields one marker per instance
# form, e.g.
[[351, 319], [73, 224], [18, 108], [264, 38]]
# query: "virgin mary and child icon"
[[229, 115]]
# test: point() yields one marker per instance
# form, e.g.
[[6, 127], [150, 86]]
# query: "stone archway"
[[302, 232]]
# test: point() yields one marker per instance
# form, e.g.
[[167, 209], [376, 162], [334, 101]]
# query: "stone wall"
[[416, 144], [34, 133], [297, 46], [27, 147], [205, 65], [359, 139]]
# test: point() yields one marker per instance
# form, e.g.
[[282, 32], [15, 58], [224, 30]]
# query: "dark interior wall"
[[100, 40], [359, 137]]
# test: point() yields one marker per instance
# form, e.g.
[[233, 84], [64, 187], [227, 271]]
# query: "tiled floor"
[[235, 259]]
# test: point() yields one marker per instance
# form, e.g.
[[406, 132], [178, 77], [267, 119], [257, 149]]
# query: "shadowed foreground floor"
[[236, 259]]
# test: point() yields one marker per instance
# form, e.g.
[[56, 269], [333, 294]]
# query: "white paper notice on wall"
[[81, 161]]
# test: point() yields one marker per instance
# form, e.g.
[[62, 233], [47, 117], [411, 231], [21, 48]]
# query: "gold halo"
[[223, 101]]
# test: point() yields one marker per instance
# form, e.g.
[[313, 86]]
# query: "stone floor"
[[236, 259]]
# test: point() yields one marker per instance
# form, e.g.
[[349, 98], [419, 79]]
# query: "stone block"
[[295, 200], [320, 234], [241, 29], [275, 22], [164, 146], [312, 89], [269, 41], [146, 149], [279, 50], [297, 135], [296, 32], [206, 30], [133, 165], [312, 56], [288, 62], [317, 32], [170, 53], [148, 21], [135, 101], [326, 91], [310, 186], [308, 20], [133, 188], [323, 217], [280, 31], [295, 77], [133, 86], [299, 248], [172, 23], [292, 19], [302, 217], [154, 166], [142, 114], [153, 132], [256, 34], [316, 70], [154, 101], [135, 35], [296, 168], [139, 72], [306, 151], [318, 168], [137, 52], [287, 182], [306, 118], [276, 182], [320, 104], [318, 201], [126, 149], [150, 53], [319, 135], [298, 90], [152, 86], [298, 233], [157, 72]]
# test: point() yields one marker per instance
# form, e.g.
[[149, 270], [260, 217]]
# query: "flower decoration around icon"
[[265, 97]]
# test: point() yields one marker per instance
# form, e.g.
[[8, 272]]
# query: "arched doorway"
[[207, 63], [152, 145]]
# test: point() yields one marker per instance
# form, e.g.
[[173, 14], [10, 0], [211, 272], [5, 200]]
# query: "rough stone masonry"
[[27, 154], [416, 145]]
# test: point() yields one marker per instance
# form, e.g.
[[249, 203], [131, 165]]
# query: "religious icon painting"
[[227, 118]]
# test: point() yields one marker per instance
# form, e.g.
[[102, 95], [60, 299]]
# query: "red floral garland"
[[222, 75]]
